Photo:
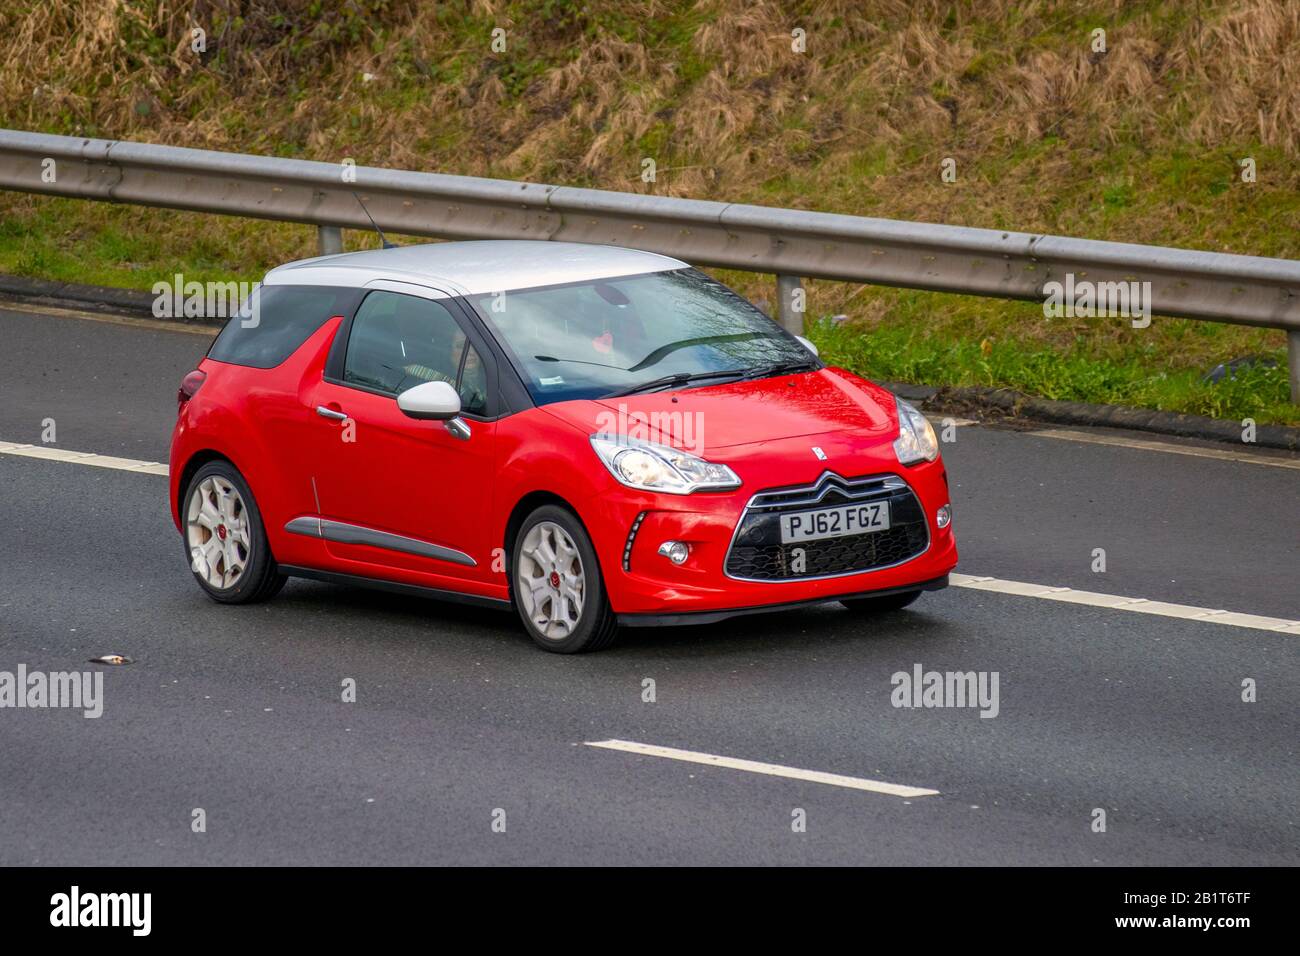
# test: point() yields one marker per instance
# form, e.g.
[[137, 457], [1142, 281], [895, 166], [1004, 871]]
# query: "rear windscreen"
[[277, 319]]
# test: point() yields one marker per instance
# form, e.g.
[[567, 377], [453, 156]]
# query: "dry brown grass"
[[1248, 77], [877, 72]]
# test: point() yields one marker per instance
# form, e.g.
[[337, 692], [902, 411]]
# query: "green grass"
[[67, 240], [1134, 376]]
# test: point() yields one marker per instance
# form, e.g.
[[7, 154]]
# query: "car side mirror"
[[808, 345], [431, 401]]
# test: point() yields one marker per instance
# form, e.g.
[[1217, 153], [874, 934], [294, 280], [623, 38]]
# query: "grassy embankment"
[[1139, 144]]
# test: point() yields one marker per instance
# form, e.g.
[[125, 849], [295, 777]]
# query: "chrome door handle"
[[324, 412]]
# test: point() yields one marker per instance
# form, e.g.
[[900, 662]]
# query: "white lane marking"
[[51, 453], [1144, 444], [753, 766], [1117, 602]]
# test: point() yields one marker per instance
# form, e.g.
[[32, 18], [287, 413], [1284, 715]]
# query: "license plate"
[[835, 522]]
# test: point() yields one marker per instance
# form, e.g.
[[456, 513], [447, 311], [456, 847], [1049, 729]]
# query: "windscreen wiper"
[[552, 358], [681, 378], [783, 368]]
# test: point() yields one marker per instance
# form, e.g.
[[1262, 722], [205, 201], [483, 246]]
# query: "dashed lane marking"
[[770, 769]]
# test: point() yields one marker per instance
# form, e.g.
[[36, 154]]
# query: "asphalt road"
[[237, 710]]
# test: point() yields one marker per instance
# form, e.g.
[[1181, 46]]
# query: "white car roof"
[[474, 268]]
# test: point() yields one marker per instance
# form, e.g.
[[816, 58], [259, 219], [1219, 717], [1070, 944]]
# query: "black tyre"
[[225, 541], [879, 605], [557, 586]]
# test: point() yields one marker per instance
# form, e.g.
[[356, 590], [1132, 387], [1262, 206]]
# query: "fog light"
[[675, 551], [943, 517]]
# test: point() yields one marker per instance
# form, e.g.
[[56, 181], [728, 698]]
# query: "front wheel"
[[225, 541], [558, 590], [878, 605]]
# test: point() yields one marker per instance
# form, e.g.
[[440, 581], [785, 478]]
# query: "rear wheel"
[[225, 541], [878, 605], [558, 590]]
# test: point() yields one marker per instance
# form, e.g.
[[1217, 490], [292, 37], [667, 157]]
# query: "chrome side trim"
[[308, 525], [820, 488], [344, 533]]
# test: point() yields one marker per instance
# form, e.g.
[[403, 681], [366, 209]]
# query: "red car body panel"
[[413, 478], [765, 430]]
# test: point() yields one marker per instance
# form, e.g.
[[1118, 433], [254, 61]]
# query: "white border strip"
[[1117, 602], [50, 453], [753, 766], [1145, 444], [59, 312]]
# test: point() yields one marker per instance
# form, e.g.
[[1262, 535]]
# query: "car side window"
[[276, 321], [400, 341]]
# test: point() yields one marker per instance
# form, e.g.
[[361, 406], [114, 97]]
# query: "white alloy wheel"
[[550, 581], [217, 532]]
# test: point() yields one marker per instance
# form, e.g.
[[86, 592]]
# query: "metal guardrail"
[[1247, 290]]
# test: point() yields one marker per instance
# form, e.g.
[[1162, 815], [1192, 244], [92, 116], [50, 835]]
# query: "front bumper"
[[710, 617], [646, 588]]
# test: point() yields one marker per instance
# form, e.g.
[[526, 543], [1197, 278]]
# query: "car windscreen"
[[275, 320], [597, 338]]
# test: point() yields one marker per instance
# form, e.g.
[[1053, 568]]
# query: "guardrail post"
[[1293, 362], [790, 303], [329, 240]]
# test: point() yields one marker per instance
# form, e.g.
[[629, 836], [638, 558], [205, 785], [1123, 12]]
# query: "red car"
[[596, 435]]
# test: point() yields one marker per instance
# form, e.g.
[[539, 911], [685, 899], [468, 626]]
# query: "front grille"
[[757, 553]]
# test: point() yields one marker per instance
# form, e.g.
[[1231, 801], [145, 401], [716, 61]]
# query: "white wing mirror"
[[808, 345], [432, 401]]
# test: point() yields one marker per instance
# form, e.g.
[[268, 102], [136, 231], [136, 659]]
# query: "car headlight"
[[916, 439], [651, 467]]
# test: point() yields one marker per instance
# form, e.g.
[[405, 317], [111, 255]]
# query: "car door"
[[396, 493]]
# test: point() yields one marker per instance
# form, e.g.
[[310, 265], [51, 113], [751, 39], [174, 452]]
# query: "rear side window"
[[275, 321]]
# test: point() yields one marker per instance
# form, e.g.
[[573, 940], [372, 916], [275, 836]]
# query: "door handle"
[[331, 413]]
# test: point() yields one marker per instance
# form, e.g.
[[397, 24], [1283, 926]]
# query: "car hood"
[[715, 417]]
